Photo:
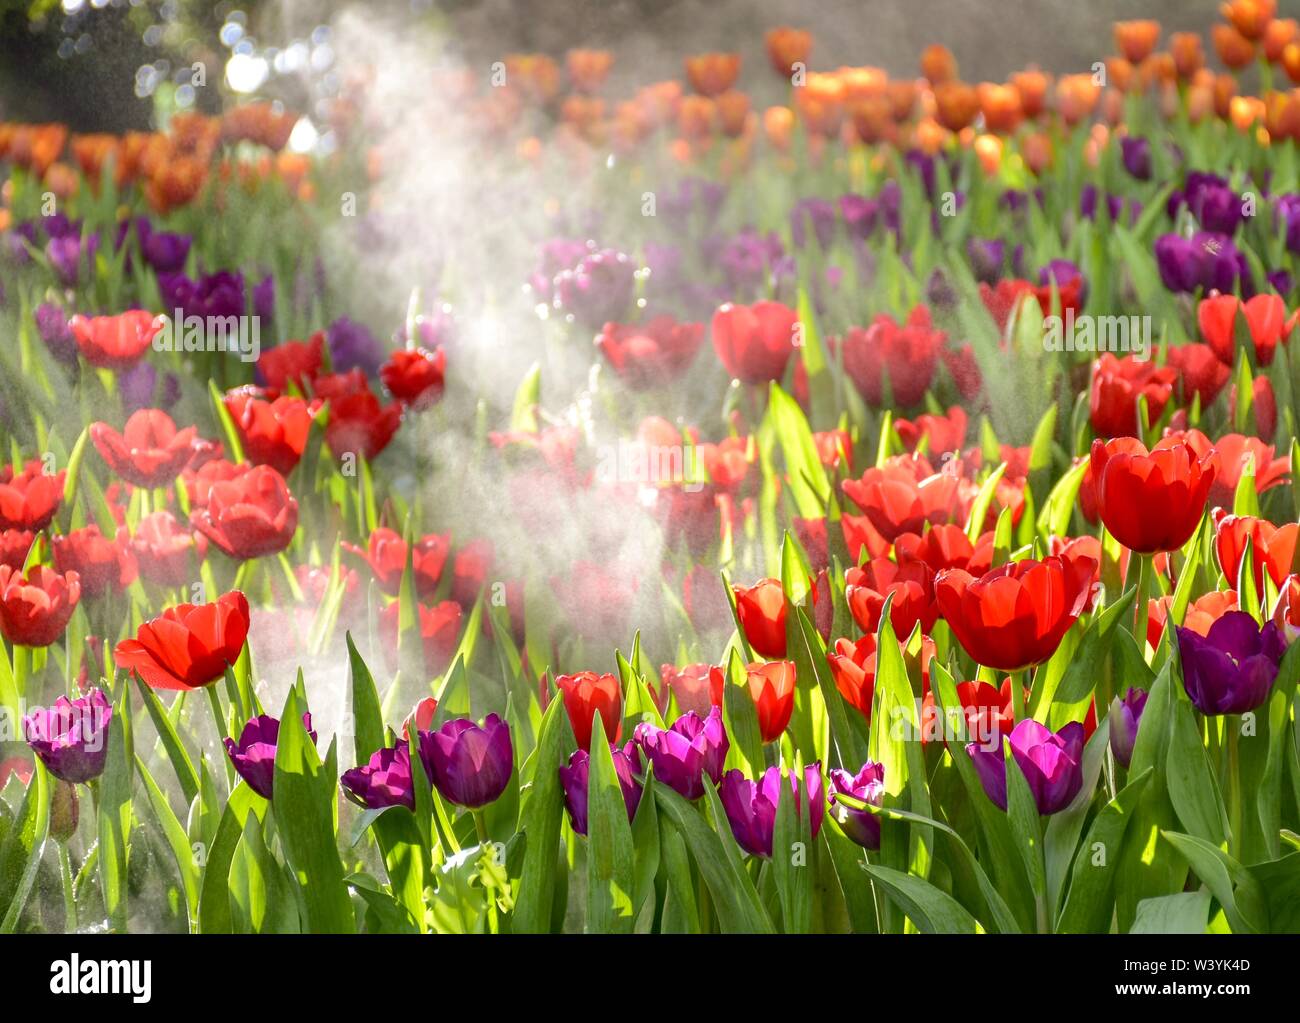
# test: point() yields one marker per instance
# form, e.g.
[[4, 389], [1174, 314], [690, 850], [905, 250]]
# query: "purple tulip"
[[52, 325], [1216, 206], [213, 295], [1204, 261], [1231, 669], [470, 765], [599, 289], [1281, 281], [1136, 154], [1124, 717], [867, 785], [751, 806], [1288, 212], [136, 385], [71, 737], [1064, 273], [627, 765], [986, 257], [1051, 762], [352, 346], [264, 299], [819, 214], [253, 756], [683, 754], [384, 781]]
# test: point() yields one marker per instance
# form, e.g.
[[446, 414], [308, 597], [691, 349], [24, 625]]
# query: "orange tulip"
[[1136, 39], [1291, 61], [588, 69], [1233, 48], [1249, 17], [1000, 105], [712, 74], [1032, 86], [1279, 34], [821, 103], [1189, 57], [778, 126], [733, 112], [957, 104], [786, 47], [1076, 97], [938, 64]]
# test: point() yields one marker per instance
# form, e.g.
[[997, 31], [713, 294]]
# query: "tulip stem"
[[1018, 695], [1232, 727], [1144, 565], [69, 893]]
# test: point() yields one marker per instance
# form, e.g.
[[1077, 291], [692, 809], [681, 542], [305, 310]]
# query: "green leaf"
[[932, 910], [540, 821], [214, 892], [611, 862], [1240, 895], [177, 841], [305, 800], [367, 718], [791, 852], [1180, 913], [167, 735], [22, 848], [114, 812], [1193, 789]]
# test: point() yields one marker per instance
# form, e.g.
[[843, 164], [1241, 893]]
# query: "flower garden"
[[871, 511]]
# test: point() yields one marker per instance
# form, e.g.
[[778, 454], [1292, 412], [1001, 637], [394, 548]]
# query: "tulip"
[[1273, 547], [771, 686], [1265, 317], [786, 47], [1015, 616], [652, 354], [253, 756], [1117, 384], [272, 431], [712, 74], [166, 552], [385, 780], [386, 554], [29, 498], [71, 737], [598, 289], [686, 753], [187, 646], [751, 806], [1151, 501], [415, 376], [1051, 762], [910, 582], [1203, 262], [101, 564], [1125, 715], [421, 717], [439, 632], [903, 495], [868, 785], [35, 610], [250, 516], [292, 362], [696, 687], [470, 764], [585, 695], [906, 356], [15, 545], [149, 452], [1234, 450], [115, 342], [754, 343], [1200, 372], [574, 779], [352, 346], [359, 425], [1231, 669], [761, 610]]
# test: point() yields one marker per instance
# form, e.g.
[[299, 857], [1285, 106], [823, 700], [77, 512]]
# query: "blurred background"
[[107, 65]]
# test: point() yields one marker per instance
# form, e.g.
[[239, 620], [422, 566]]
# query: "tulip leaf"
[[167, 735], [735, 902], [979, 509], [23, 846], [933, 910], [1054, 519], [850, 751], [523, 418], [791, 853], [114, 811], [847, 858], [646, 844], [1022, 812], [1193, 789], [540, 821], [681, 916], [306, 801], [806, 475], [1240, 894], [1061, 837], [176, 839], [1076, 683], [740, 719], [367, 718], [1090, 900], [611, 858], [214, 892], [1180, 913]]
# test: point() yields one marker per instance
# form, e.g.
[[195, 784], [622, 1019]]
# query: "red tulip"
[[421, 717], [358, 424], [249, 516], [1201, 613], [167, 553], [1200, 372], [1265, 316], [415, 376], [1234, 450], [272, 431], [439, 632], [1263, 406], [187, 646], [292, 362], [771, 686], [904, 494], [860, 535], [469, 571], [853, 666], [754, 343], [199, 482], [386, 554], [35, 610], [101, 564], [696, 687], [946, 546], [834, 447], [1151, 501], [149, 452], [943, 433], [587, 694], [761, 610], [1116, 386], [1273, 547], [15, 545], [29, 499], [906, 356], [1014, 616], [115, 342], [986, 711], [912, 586], [651, 354]]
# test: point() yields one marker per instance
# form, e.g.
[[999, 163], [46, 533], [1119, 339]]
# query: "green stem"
[[1143, 612], [1018, 695], [1232, 724], [219, 718], [69, 895]]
